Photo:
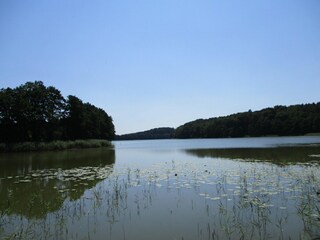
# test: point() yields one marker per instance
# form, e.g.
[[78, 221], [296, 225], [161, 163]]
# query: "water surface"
[[248, 188]]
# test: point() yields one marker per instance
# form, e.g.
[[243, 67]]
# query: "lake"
[[246, 188]]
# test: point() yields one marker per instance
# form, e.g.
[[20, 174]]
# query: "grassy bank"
[[54, 145]]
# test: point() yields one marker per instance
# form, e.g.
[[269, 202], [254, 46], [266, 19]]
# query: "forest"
[[280, 120], [33, 112], [156, 133]]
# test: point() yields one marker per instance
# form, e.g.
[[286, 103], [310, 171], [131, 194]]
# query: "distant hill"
[[276, 121], [279, 120], [156, 133]]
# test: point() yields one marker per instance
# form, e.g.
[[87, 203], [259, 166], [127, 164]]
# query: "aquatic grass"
[[54, 145], [255, 201]]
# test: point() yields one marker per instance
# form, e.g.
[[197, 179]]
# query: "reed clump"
[[54, 145]]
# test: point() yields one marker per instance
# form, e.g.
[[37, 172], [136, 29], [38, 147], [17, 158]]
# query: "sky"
[[162, 63]]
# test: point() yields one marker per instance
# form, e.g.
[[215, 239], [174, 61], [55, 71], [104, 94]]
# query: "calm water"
[[249, 188]]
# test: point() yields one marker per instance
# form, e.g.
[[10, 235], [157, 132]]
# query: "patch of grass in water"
[[54, 145]]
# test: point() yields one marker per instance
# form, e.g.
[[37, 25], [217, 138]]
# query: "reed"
[[54, 145]]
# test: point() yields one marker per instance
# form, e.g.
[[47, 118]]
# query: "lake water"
[[246, 188]]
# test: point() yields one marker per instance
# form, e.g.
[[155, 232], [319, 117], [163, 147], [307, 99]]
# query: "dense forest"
[[33, 112], [156, 133], [279, 120]]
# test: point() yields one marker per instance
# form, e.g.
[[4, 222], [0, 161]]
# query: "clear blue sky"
[[154, 63]]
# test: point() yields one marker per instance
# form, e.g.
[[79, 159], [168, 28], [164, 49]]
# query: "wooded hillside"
[[156, 133], [279, 120]]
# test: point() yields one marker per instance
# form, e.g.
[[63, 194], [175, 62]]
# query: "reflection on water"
[[277, 155], [169, 193], [34, 184], [22, 163]]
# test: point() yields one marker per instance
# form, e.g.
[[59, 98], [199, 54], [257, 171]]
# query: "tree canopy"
[[279, 120], [156, 133], [34, 112]]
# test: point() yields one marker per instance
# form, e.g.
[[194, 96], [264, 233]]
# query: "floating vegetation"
[[180, 196]]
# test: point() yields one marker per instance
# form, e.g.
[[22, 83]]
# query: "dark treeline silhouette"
[[34, 112], [156, 133], [279, 120]]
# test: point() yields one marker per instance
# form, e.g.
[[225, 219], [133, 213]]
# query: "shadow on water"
[[34, 184], [276, 155]]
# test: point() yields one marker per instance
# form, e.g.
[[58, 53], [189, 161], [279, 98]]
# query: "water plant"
[[207, 198], [54, 145]]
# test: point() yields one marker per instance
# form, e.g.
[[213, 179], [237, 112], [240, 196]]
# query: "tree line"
[[156, 133], [279, 120], [33, 112]]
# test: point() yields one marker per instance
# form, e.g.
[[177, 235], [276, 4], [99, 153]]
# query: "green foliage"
[[280, 120], [86, 121], [33, 112], [156, 133]]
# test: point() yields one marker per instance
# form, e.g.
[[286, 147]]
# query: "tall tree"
[[85, 121], [34, 112]]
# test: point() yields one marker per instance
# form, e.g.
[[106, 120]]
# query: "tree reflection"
[[33, 185], [277, 155]]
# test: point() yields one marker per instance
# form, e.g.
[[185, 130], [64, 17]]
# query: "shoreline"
[[53, 145]]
